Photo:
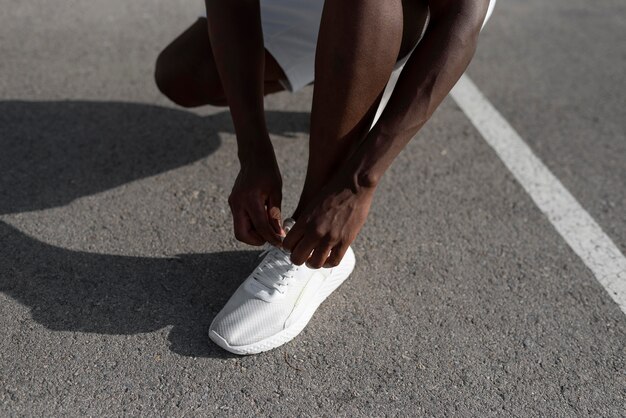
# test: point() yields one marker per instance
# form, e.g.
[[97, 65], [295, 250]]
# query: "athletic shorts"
[[290, 30]]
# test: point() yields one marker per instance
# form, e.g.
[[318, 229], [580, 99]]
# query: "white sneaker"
[[275, 302]]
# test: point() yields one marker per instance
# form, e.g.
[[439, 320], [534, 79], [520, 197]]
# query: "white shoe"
[[275, 302]]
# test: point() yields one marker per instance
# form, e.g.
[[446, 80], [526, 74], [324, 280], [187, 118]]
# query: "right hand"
[[255, 202]]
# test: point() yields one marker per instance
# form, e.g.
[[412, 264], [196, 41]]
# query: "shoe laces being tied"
[[276, 271]]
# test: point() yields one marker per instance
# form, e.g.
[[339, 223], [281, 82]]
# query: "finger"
[[261, 224], [274, 215], [319, 256], [244, 230], [336, 255], [293, 237], [303, 250]]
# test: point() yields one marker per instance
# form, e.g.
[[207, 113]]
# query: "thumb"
[[274, 215]]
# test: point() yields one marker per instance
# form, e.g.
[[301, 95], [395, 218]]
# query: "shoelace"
[[276, 270]]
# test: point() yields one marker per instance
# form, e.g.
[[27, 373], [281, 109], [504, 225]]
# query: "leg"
[[186, 73], [358, 44]]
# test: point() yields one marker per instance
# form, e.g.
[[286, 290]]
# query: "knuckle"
[[316, 231], [333, 236]]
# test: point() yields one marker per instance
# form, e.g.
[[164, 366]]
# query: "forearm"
[[237, 43], [434, 67]]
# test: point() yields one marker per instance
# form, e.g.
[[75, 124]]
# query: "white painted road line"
[[569, 218]]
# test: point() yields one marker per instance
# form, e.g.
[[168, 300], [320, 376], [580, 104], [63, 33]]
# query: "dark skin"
[[346, 159]]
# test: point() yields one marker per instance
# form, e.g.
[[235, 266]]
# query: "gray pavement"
[[116, 248]]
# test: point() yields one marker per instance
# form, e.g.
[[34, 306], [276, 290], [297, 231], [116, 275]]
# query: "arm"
[[334, 220], [237, 43], [428, 76]]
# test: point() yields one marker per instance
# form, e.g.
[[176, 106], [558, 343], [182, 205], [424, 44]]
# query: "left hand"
[[329, 225]]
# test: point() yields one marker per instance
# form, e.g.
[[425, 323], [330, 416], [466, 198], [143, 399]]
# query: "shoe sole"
[[332, 282]]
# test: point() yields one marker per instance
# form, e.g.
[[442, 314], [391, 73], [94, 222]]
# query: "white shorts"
[[290, 30]]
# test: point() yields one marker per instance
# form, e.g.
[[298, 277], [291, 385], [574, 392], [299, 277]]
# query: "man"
[[246, 49]]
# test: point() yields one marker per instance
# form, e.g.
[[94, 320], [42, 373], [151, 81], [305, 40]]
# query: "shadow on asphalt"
[[54, 152], [118, 295]]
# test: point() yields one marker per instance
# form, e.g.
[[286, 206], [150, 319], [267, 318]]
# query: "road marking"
[[569, 218]]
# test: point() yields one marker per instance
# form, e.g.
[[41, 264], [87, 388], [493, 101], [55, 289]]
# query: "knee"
[[169, 81], [181, 86]]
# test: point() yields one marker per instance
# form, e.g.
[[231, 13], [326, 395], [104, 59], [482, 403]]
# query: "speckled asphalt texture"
[[116, 248]]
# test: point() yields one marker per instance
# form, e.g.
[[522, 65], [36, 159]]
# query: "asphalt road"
[[116, 248]]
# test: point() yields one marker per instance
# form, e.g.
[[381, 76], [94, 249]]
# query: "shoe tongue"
[[288, 224]]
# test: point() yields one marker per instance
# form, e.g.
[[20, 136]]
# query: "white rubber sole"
[[332, 282]]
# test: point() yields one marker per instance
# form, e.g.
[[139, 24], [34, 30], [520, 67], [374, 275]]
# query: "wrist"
[[369, 162], [361, 176], [255, 150], [366, 180], [360, 183], [363, 185]]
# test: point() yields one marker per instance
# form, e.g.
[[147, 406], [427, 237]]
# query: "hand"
[[329, 225], [255, 202]]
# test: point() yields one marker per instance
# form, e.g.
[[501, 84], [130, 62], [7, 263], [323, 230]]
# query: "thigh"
[[189, 53], [190, 57]]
